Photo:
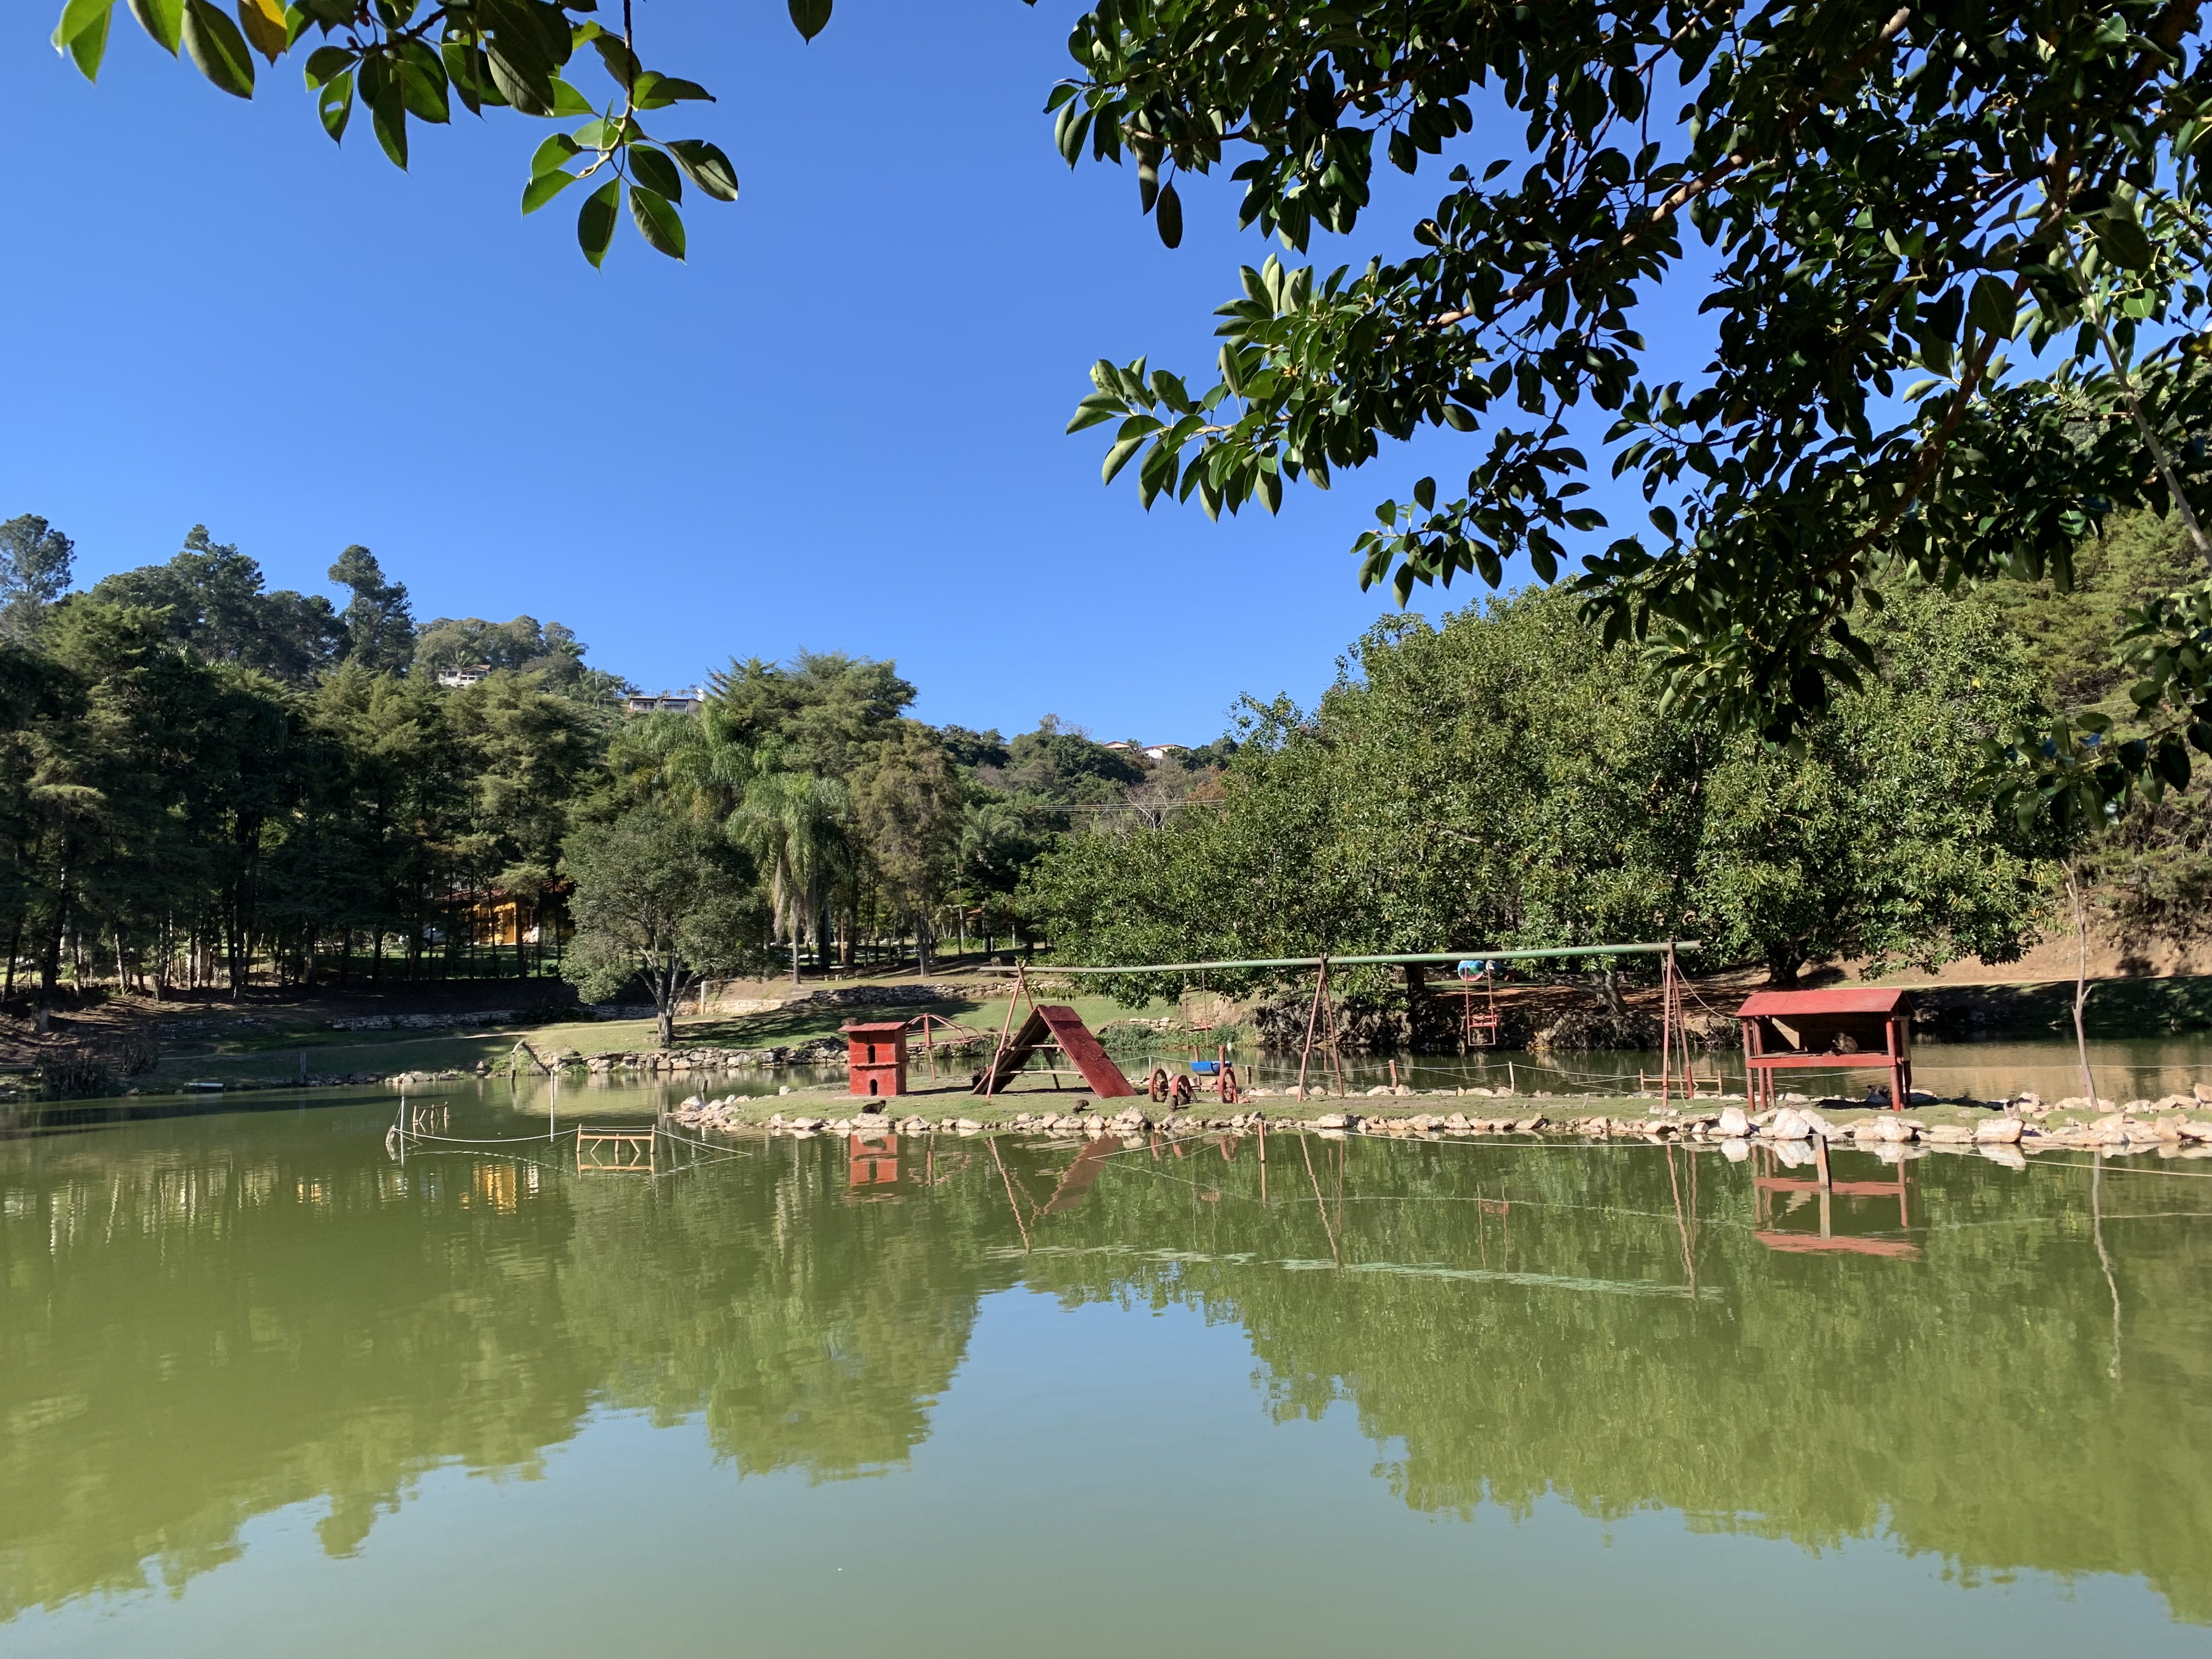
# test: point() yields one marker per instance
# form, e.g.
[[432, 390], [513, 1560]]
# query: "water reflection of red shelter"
[[1765, 1184], [1863, 1029], [876, 1052], [872, 1160]]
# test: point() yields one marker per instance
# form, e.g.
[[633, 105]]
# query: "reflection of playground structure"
[[1821, 1187], [647, 1149], [628, 1150]]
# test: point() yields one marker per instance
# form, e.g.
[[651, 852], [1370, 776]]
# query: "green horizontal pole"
[[1677, 946]]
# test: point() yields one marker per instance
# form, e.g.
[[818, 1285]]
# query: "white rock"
[[1788, 1125], [1734, 1125], [1997, 1131]]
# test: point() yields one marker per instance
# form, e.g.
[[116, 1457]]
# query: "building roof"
[[1858, 1000], [875, 1027]]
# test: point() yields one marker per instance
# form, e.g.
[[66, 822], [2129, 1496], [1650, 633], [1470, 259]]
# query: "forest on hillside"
[[1508, 779], [206, 783]]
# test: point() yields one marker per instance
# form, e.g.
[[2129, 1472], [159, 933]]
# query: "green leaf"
[[464, 69], [1992, 307], [325, 64], [655, 91], [1168, 213], [422, 78], [811, 16], [386, 97], [90, 46], [544, 186], [555, 152], [215, 47], [2122, 239], [92, 41], [595, 221], [80, 18], [163, 19], [621, 62], [654, 170], [568, 101], [334, 104], [658, 221], [706, 167]]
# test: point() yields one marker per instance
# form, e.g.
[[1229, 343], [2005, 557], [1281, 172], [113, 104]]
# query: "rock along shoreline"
[[2178, 1125]]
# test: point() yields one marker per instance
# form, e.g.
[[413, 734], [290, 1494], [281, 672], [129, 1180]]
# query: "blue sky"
[[838, 427]]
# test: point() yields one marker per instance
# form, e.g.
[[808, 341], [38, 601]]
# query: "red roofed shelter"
[[1863, 1029]]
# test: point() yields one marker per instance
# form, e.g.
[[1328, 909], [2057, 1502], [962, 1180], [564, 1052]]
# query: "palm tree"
[[796, 827]]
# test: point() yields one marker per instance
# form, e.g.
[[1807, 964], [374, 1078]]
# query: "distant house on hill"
[[456, 678], [1157, 751], [665, 703]]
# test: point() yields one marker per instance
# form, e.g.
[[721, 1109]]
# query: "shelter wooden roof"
[[1856, 1000]]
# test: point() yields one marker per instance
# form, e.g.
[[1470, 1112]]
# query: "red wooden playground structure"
[[1858, 1030]]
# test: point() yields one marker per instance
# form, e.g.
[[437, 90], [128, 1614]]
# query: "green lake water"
[[265, 1391]]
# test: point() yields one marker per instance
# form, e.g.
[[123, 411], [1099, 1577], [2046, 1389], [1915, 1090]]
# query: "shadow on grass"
[[2118, 1009]]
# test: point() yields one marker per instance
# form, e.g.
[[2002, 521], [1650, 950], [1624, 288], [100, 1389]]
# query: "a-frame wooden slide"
[[1052, 1025]]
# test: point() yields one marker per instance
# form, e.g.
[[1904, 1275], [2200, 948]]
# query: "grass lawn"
[[270, 1050]]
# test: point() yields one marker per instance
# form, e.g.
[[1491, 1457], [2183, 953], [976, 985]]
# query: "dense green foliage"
[[1892, 196], [203, 776], [202, 780], [1510, 780], [409, 61], [2152, 867]]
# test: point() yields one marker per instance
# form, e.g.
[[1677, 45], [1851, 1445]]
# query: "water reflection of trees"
[[1963, 1404], [194, 1330]]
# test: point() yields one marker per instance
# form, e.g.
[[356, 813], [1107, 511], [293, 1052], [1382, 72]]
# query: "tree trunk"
[[2081, 987], [1784, 959], [50, 965], [1608, 991]]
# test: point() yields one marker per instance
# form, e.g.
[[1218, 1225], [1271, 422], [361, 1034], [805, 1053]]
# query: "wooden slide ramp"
[[1048, 1023]]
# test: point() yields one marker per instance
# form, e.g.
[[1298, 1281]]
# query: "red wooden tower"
[[876, 1052]]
